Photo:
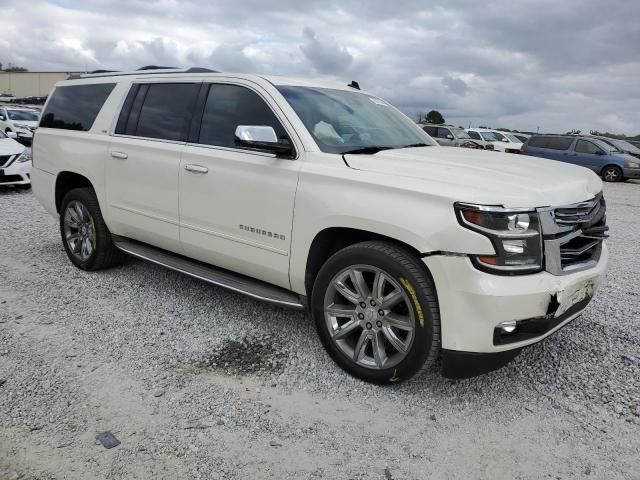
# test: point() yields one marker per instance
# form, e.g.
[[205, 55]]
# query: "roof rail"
[[147, 70]]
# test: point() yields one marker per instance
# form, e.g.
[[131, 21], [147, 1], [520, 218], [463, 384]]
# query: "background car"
[[622, 145], [523, 137], [15, 164], [608, 162], [451, 136], [23, 121], [499, 141], [635, 142]]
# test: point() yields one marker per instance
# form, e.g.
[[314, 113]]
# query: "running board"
[[217, 276]]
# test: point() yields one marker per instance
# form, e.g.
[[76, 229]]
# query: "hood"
[[8, 146], [25, 122], [488, 178]]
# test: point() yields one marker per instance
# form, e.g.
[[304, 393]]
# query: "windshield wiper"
[[413, 145], [366, 150]]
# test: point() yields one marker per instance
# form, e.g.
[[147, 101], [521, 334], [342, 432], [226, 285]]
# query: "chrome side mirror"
[[263, 138]]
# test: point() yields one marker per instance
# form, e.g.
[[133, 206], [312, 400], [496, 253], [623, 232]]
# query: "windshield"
[[492, 137], [459, 132], [624, 145], [341, 121], [24, 115]]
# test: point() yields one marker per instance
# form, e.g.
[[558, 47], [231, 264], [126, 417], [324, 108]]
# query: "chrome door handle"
[[120, 155], [196, 168]]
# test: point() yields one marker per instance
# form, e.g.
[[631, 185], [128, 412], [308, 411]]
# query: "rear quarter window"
[[75, 107]]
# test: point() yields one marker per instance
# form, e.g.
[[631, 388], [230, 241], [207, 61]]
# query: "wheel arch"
[[332, 239], [67, 181]]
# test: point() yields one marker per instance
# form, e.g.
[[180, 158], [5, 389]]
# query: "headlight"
[[633, 165], [23, 157], [515, 235], [19, 125]]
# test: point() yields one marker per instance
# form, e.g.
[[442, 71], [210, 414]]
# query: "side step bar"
[[217, 276]]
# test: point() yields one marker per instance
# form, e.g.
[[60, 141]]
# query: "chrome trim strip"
[[298, 306]]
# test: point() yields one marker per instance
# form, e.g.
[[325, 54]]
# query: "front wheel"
[[376, 311], [611, 173]]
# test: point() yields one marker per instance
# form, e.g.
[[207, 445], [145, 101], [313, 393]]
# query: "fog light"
[[508, 327]]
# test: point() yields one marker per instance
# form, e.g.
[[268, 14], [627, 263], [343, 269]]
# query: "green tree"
[[16, 69], [435, 117]]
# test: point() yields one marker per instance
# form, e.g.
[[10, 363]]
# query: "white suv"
[[22, 121], [321, 196]]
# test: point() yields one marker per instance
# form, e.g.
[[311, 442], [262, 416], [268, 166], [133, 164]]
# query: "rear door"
[[144, 161], [236, 205]]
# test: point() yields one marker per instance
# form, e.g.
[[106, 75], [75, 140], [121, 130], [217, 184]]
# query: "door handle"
[[196, 168], [120, 155]]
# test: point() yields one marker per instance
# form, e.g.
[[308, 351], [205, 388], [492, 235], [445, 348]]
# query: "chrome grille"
[[573, 235]]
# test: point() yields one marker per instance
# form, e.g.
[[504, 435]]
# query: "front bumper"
[[472, 303], [18, 173], [631, 172]]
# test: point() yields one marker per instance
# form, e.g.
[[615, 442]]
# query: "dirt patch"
[[247, 357]]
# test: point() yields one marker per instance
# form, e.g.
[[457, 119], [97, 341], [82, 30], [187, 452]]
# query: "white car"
[[319, 196], [15, 165], [22, 121], [502, 141]]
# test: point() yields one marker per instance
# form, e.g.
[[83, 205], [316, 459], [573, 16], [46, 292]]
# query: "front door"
[[236, 205]]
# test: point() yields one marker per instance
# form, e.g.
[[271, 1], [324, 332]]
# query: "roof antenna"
[[354, 84]]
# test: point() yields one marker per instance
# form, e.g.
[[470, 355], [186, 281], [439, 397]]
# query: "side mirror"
[[12, 135], [2, 118], [262, 138], [450, 137], [599, 152]]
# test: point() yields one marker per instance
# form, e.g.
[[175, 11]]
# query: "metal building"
[[30, 84]]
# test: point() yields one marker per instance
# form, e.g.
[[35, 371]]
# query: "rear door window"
[[75, 107], [431, 131], [551, 143], [165, 111], [474, 135]]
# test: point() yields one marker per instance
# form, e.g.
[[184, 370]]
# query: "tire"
[[403, 320], [93, 249], [612, 173]]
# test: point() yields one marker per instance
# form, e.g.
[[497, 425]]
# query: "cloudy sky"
[[556, 64]]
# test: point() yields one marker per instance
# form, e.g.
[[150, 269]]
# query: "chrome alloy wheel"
[[79, 230], [611, 174], [369, 317]]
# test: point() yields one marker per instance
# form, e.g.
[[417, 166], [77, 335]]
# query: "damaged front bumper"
[[475, 306]]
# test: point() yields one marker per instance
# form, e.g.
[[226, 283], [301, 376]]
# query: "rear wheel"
[[375, 308], [85, 236], [612, 173]]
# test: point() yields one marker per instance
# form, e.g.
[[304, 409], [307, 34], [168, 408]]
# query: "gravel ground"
[[198, 382]]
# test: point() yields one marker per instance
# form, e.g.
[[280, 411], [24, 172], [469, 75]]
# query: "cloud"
[[557, 65]]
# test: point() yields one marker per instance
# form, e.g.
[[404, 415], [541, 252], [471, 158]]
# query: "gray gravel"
[[199, 382]]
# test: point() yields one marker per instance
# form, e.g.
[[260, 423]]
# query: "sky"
[[557, 65]]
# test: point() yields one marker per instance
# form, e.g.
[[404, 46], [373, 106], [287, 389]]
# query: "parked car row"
[[479, 138], [15, 165]]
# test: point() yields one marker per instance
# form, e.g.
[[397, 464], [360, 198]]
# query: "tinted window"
[[585, 146], [475, 135], [552, 143], [443, 132], [227, 107], [166, 111], [431, 131], [75, 107]]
